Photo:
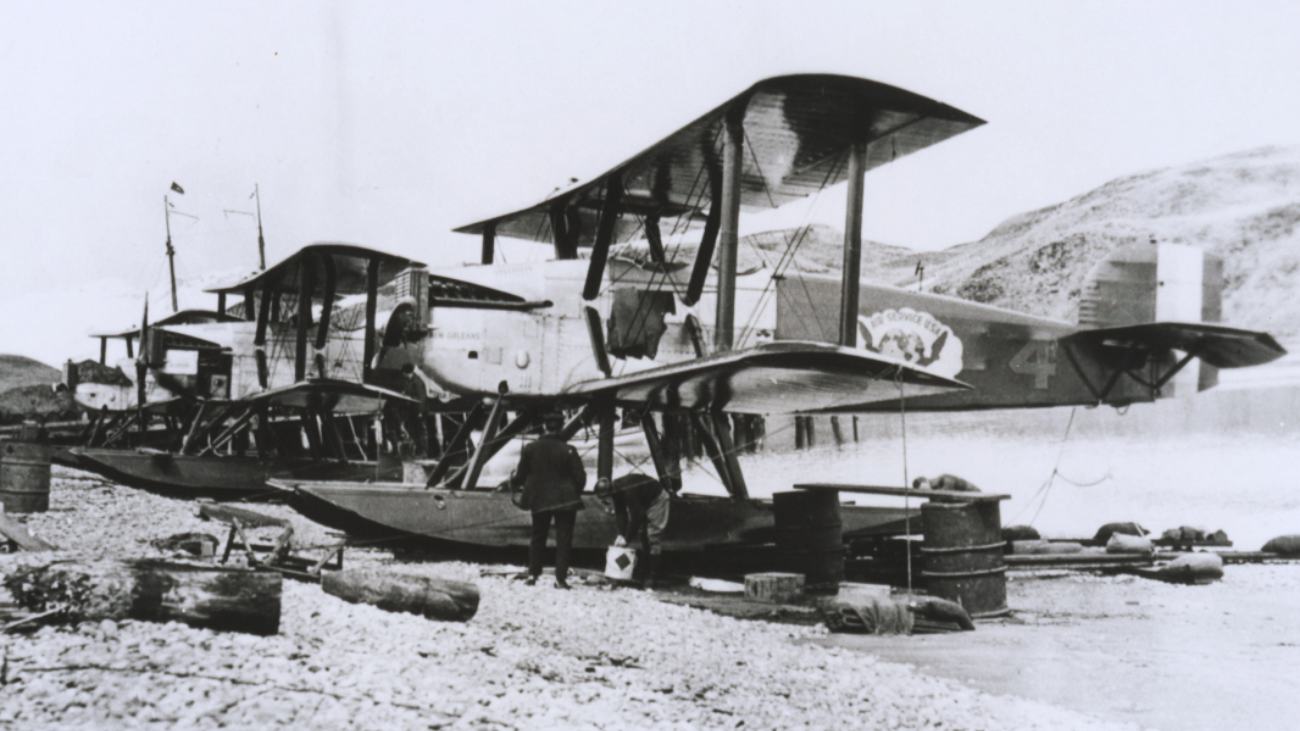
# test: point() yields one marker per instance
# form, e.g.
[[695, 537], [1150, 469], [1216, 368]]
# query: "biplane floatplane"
[[279, 384], [657, 338]]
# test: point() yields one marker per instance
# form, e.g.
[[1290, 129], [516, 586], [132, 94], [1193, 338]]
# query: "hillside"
[[1244, 207], [17, 371]]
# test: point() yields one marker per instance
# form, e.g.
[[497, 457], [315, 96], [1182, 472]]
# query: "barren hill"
[[19, 370], [1244, 207]]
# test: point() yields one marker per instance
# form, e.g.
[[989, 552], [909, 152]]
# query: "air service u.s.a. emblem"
[[915, 337]]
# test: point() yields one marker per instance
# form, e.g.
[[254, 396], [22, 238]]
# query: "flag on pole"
[[176, 188], [920, 268]]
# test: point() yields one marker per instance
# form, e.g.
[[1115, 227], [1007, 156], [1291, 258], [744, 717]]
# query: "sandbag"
[[1128, 528], [1288, 545], [1189, 535], [1124, 543], [1190, 568], [945, 482], [1020, 533], [937, 609], [1184, 534], [868, 615]]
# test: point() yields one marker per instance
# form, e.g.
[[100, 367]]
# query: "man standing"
[[417, 415], [641, 507], [552, 476]]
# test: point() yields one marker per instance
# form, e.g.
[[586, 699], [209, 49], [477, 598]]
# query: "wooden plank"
[[12, 530], [229, 514], [902, 491], [1253, 557], [1070, 560]]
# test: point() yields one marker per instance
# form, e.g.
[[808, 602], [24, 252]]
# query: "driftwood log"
[[14, 532], [217, 598], [454, 601]]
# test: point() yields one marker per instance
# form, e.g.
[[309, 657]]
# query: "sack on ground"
[[1128, 528], [937, 609], [1194, 568], [869, 615], [1124, 543], [1288, 545], [1020, 533]]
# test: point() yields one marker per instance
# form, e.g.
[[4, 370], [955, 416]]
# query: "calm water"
[[1225, 459]]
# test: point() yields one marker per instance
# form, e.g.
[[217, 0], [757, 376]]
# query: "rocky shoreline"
[[533, 657]]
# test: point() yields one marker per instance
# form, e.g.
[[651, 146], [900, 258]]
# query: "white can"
[[620, 562]]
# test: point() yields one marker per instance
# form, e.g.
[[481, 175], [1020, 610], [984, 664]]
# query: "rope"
[[1044, 491]]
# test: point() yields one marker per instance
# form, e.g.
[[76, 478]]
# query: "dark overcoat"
[[552, 475]]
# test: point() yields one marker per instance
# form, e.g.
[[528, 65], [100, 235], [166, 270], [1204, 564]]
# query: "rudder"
[[1161, 282]]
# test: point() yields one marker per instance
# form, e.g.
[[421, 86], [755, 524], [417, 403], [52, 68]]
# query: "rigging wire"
[[788, 257]]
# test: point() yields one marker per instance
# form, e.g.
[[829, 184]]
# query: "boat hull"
[[219, 478], [484, 518]]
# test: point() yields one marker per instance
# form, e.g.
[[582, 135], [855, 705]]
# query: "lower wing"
[[784, 377], [340, 397]]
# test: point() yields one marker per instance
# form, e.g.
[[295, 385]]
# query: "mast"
[[261, 241], [171, 251]]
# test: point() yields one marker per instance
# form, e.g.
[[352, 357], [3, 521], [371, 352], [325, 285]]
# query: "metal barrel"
[[962, 555], [811, 536], [25, 477]]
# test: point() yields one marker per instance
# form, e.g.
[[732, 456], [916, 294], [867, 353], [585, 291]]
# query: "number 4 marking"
[[1038, 359]]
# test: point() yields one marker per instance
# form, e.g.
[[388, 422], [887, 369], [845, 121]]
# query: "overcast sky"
[[389, 123]]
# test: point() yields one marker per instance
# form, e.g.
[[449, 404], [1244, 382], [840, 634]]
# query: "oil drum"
[[811, 536], [962, 555], [25, 477]]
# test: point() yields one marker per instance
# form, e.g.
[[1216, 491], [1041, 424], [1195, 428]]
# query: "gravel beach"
[[533, 657]]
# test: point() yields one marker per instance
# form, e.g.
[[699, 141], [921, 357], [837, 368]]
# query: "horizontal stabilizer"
[[784, 377], [340, 397], [1217, 345]]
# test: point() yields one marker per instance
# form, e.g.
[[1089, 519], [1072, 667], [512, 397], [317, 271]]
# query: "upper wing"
[[184, 317], [345, 263], [797, 129], [1217, 345], [775, 378], [341, 397]]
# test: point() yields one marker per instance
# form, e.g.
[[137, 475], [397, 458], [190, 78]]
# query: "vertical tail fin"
[[1157, 282]]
